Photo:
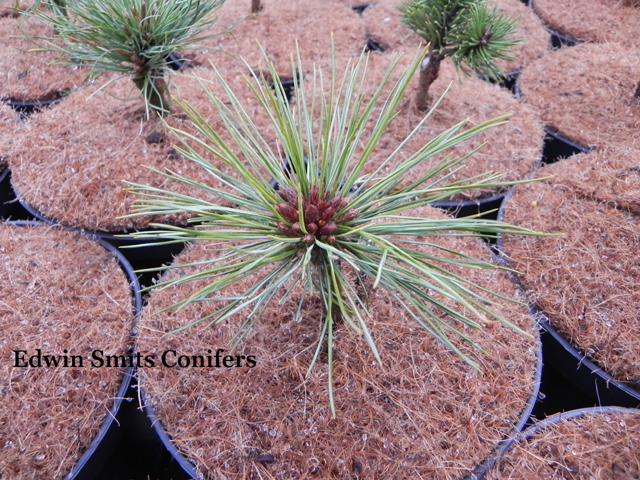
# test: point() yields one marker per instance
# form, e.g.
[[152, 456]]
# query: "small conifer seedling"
[[132, 37], [326, 228], [472, 34]]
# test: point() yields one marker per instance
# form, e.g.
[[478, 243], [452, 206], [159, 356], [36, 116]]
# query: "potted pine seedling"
[[469, 32], [515, 150], [94, 140], [386, 30], [337, 325], [134, 39]]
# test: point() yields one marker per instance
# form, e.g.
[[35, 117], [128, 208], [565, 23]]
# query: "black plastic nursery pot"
[[556, 147], [110, 432], [147, 253], [26, 108], [557, 39], [187, 469], [598, 442], [600, 387], [595, 384]]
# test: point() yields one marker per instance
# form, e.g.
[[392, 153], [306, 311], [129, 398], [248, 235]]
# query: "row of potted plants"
[[587, 94], [381, 421]]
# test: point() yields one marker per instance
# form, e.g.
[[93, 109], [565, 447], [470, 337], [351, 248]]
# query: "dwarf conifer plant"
[[472, 34], [325, 228], [134, 38]]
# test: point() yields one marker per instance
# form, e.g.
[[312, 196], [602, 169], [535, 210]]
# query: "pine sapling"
[[134, 38], [326, 227], [473, 35]]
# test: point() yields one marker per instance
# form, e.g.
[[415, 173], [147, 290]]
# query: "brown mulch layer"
[[586, 93], [610, 176], [536, 40], [599, 444], [30, 76], [513, 149], [594, 21], [423, 414], [383, 26], [585, 281], [278, 28], [71, 161], [59, 292]]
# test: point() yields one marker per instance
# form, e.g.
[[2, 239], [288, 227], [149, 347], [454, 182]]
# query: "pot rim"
[[478, 472], [27, 107], [579, 412], [561, 40], [83, 469], [620, 392]]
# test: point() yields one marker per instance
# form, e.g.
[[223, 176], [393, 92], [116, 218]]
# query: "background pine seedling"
[[471, 33], [134, 38]]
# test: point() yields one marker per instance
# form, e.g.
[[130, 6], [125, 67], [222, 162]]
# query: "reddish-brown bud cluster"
[[486, 37], [319, 216]]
